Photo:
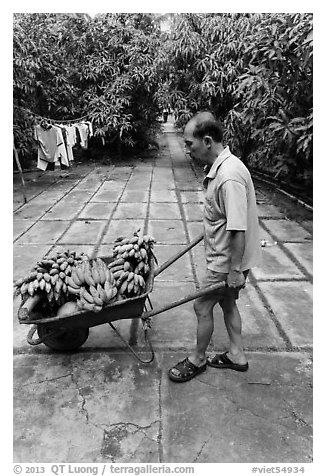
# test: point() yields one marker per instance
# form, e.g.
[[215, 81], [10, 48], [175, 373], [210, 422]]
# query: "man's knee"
[[203, 308]]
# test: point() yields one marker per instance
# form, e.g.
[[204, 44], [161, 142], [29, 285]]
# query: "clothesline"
[[69, 121]]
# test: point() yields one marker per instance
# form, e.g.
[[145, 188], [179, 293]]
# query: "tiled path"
[[126, 412]]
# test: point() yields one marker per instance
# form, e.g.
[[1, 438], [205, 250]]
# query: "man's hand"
[[235, 279]]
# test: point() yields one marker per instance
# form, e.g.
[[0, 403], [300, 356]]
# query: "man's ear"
[[208, 141]]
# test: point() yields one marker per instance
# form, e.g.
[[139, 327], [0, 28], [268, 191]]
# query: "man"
[[231, 240]]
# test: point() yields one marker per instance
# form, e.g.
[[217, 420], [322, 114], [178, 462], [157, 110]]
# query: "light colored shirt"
[[230, 204]]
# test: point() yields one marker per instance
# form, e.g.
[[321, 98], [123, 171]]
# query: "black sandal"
[[222, 361], [187, 370]]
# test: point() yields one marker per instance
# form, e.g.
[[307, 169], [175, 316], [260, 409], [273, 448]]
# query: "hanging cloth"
[[84, 133]]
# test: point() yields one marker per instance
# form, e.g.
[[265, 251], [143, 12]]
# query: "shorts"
[[214, 277]]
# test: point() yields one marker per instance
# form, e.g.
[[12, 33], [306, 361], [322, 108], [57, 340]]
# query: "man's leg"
[[233, 325], [203, 307]]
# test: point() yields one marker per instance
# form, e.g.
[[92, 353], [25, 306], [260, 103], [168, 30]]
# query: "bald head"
[[205, 124]]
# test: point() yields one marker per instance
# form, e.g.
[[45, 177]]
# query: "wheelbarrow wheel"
[[59, 338]]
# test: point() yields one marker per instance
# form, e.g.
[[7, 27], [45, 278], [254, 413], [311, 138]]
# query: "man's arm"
[[235, 277]]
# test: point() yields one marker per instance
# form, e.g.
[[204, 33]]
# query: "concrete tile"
[[159, 211], [176, 328], [88, 398], [163, 196], [137, 184], [303, 252], [107, 196], [180, 270], [112, 186], [121, 228], [167, 231], [192, 197], [130, 210], [268, 210], [97, 211], [193, 211], [32, 211], [88, 249], [268, 428], [44, 232], [132, 196], [64, 210], [20, 226], [286, 230], [276, 265], [195, 229], [291, 303], [25, 257], [84, 232], [258, 329]]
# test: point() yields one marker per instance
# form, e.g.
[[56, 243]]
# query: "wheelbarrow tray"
[[124, 309]]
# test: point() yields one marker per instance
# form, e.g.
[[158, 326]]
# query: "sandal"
[[187, 370], [222, 361]]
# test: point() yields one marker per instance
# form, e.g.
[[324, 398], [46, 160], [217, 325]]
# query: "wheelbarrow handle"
[[190, 297], [174, 258]]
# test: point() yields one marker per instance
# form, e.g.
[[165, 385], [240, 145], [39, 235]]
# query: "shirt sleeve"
[[233, 197]]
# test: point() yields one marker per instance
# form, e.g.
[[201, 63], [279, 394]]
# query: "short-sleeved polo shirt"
[[230, 205]]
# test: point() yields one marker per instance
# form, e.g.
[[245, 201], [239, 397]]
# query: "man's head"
[[203, 137]]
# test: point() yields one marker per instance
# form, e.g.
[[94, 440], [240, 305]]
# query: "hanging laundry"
[[90, 128], [71, 130], [84, 133], [66, 140], [51, 147]]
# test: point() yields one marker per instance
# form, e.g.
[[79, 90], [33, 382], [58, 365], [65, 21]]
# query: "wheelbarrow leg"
[[147, 340]]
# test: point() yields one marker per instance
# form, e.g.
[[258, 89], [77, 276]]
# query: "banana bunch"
[[93, 284], [130, 265], [49, 276]]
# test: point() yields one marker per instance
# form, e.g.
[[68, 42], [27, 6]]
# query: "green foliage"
[[68, 65], [254, 71]]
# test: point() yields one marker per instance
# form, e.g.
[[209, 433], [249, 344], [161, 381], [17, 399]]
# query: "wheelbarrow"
[[69, 332]]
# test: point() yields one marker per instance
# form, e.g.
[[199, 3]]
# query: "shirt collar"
[[220, 158]]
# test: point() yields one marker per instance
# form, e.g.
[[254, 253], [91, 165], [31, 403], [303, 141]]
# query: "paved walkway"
[[100, 404]]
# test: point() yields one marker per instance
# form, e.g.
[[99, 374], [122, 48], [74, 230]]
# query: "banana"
[[97, 308], [98, 301], [61, 260], [108, 293], [24, 288], [134, 240], [39, 276], [42, 284], [143, 254], [146, 269], [87, 296], [126, 266], [75, 278], [80, 273], [63, 266], [114, 270], [55, 266], [131, 253], [114, 292], [62, 275], [141, 281], [70, 282], [48, 287], [125, 241], [101, 271], [95, 273], [35, 284], [88, 306], [88, 276], [41, 270], [117, 274], [73, 290], [130, 287], [136, 279], [52, 280], [125, 255], [123, 287], [93, 291], [129, 247], [116, 262], [58, 286], [64, 287], [51, 295], [101, 292], [130, 276], [47, 277]]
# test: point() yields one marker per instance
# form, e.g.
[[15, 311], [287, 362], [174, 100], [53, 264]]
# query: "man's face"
[[195, 147]]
